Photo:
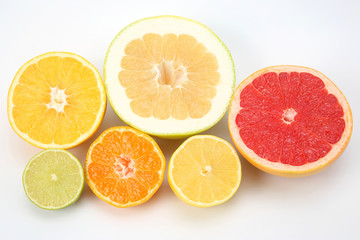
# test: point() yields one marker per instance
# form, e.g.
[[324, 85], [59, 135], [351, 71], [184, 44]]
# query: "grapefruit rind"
[[151, 192], [179, 193], [281, 169], [170, 128], [70, 202], [84, 136]]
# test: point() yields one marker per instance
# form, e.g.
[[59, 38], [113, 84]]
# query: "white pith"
[[123, 170], [57, 99], [171, 126], [289, 115], [277, 166]]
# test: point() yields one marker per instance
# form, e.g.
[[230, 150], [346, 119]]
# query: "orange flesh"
[[124, 167], [51, 102], [169, 76]]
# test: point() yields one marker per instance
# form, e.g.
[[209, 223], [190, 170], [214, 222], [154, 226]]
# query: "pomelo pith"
[[289, 120], [169, 76]]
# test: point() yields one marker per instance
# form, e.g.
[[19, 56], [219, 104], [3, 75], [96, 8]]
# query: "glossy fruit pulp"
[[289, 117]]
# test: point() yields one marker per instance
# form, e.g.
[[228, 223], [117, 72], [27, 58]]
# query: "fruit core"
[[206, 170], [54, 177], [125, 166], [289, 117], [57, 99], [169, 76]]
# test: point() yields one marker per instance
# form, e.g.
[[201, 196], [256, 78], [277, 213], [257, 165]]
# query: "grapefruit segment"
[[289, 120]]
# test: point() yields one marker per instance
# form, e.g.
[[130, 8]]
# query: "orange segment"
[[177, 61], [150, 162], [124, 167], [56, 100], [120, 193]]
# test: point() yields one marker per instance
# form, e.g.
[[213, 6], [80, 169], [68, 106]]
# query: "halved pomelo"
[[56, 100], [289, 120], [169, 76]]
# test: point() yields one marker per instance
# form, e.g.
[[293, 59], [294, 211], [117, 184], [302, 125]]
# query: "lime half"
[[53, 179]]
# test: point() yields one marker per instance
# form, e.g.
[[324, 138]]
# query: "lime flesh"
[[53, 179]]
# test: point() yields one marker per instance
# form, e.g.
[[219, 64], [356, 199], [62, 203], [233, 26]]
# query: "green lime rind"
[[168, 135], [80, 173]]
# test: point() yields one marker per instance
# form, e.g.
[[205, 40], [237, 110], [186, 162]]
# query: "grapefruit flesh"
[[289, 120]]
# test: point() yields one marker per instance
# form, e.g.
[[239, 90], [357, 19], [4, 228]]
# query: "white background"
[[320, 34]]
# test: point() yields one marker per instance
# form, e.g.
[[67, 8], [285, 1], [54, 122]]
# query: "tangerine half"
[[124, 167]]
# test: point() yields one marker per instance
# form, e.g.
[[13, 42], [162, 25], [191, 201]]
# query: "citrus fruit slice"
[[204, 171], [289, 120], [169, 76], [56, 100], [124, 167], [53, 179]]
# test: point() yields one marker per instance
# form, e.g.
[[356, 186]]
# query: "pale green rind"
[[82, 179], [180, 134]]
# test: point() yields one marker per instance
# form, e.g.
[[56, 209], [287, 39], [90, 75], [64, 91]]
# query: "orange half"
[[56, 100], [124, 167]]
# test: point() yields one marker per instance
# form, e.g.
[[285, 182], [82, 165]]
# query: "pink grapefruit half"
[[289, 120]]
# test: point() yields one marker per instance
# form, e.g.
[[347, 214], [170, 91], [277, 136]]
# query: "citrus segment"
[[56, 100], [289, 120], [204, 171], [53, 179], [147, 56], [124, 167], [175, 76]]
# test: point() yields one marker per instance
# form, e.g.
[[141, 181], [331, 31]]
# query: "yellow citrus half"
[[204, 171], [56, 100], [289, 120], [169, 76]]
